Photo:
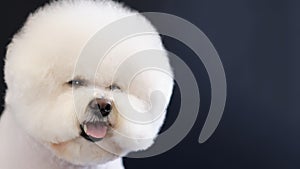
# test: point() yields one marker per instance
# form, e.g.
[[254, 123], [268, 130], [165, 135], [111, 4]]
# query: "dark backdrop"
[[258, 43]]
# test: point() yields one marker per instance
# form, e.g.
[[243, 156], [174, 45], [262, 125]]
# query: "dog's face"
[[86, 107]]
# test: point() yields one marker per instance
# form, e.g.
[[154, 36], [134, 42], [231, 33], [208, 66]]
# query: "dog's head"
[[85, 104]]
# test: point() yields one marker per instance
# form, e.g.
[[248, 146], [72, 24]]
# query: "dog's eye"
[[114, 87], [76, 83]]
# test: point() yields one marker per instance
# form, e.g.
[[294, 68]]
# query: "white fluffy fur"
[[40, 125]]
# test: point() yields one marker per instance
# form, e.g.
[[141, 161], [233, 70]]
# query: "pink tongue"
[[96, 130]]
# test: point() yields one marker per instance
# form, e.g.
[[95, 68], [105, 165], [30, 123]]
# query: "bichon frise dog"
[[82, 91]]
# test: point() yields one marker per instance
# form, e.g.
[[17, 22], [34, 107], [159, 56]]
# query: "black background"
[[258, 43]]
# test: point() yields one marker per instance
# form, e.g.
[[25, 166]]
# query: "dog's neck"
[[20, 150]]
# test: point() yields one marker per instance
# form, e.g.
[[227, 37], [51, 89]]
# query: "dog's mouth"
[[94, 131]]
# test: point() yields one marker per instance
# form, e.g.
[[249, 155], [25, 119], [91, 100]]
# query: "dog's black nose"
[[103, 105]]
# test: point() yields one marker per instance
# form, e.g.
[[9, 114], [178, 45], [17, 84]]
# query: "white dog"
[[79, 96]]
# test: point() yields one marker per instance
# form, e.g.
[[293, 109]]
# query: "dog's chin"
[[85, 151], [88, 149], [93, 146]]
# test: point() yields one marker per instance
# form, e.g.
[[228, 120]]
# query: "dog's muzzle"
[[95, 127]]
